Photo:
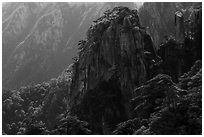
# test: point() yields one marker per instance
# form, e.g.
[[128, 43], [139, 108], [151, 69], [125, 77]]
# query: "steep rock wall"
[[114, 46], [118, 52]]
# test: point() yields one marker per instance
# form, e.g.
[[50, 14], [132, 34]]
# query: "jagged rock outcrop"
[[159, 18], [179, 23], [187, 22], [118, 48], [114, 46], [179, 53]]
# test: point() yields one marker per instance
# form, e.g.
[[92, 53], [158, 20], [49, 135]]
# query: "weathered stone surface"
[[159, 18], [118, 52], [179, 23], [115, 46]]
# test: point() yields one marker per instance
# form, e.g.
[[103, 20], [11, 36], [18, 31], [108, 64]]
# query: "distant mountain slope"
[[39, 38]]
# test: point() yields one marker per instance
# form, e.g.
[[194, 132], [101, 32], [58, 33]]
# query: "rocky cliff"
[[159, 18], [115, 52]]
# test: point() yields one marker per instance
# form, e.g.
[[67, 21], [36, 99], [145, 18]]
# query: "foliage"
[[42, 101], [127, 127], [157, 92], [30, 126], [165, 109], [71, 125]]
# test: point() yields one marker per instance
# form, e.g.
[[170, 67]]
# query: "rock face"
[[114, 49], [180, 53], [179, 23], [159, 18]]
